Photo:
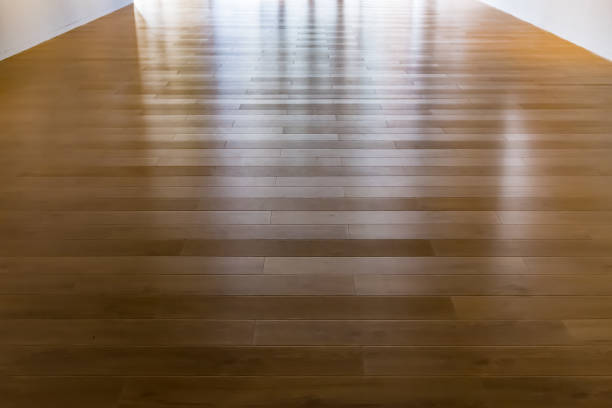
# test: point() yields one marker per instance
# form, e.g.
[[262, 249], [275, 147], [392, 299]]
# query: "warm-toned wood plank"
[[475, 231], [562, 265], [503, 285], [579, 192], [189, 306], [516, 247], [396, 266], [113, 283], [496, 361], [153, 265], [180, 361], [595, 331], [321, 247], [12, 201], [130, 332], [533, 307], [35, 392], [566, 392], [154, 218], [303, 391], [383, 217], [83, 247], [410, 333], [178, 231]]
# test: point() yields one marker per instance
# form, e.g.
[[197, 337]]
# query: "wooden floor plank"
[[180, 361], [487, 361], [31, 392], [117, 283], [303, 391], [410, 333], [188, 306], [132, 332], [473, 285]]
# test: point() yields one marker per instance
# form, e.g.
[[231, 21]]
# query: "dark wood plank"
[[189, 306], [117, 283], [128, 332], [334, 332], [533, 307], [305, 247], [38, 392], [179, 361], [303, 392], [566, 392], [503, 285], [487, 361]]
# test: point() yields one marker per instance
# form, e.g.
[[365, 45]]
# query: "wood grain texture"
[[306, 203]]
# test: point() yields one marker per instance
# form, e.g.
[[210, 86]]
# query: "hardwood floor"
[[306, 203]]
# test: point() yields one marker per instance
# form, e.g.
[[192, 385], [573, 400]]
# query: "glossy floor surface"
[[306, 203]]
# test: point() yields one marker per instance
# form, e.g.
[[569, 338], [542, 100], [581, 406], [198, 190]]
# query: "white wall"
[[25, 23], [587, 23]]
